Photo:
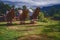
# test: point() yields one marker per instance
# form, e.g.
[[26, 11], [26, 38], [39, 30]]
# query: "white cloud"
[[38, 2], [46, 2]]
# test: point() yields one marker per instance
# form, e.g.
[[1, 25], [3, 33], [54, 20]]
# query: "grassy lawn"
[[51, 29]]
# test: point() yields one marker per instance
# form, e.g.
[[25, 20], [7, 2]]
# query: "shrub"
[[41, 17]]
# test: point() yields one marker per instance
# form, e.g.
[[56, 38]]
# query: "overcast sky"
[[37, 2]]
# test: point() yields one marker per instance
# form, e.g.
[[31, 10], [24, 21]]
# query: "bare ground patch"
[[22, 28], [34, 37]]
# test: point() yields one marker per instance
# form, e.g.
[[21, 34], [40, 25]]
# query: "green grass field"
[[51, 29]]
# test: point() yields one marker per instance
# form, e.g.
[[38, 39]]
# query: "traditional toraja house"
[[10, 16], [30, 13], [2, 17], [20, 11], [35, 14], [24, 15]]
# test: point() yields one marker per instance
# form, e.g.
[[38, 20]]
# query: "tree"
[[4, 7], [42, 18]]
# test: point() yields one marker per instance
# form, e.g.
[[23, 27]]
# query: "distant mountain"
[[19, 4], [54, 6], [50, 10]]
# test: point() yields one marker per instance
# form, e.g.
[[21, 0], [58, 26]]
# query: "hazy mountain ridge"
[[50, 10], [18, 4]]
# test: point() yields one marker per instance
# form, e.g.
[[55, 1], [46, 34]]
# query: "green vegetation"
[[41, 17], [4, 7], [44, 26], [51, 29]]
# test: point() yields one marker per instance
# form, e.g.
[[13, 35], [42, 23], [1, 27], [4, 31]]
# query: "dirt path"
[[22, 26], [35, 37]]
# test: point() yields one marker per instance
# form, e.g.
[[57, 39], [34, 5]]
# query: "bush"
[[45, 20], [41, 17], [56, 17]]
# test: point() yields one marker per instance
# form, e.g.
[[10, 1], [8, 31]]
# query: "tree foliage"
[[4, 7]]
